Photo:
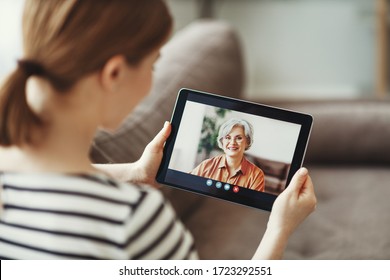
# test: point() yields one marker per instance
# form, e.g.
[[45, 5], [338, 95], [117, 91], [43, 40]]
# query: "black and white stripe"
[[49, 216]]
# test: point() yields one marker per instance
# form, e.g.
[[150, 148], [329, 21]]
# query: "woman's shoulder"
[[134, 193], [254, 168], [97, 185], [96, 194], [217, 158], [142, 197]]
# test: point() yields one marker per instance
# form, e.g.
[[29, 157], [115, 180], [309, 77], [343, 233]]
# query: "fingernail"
[[166, 123], [303, 171]]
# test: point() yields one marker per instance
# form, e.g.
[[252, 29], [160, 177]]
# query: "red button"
[[236, 189]]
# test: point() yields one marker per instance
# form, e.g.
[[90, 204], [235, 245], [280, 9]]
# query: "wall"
[[293, 48], [300, 48], [10, 34]]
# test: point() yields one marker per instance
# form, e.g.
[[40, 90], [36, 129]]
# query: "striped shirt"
[[59, 216]]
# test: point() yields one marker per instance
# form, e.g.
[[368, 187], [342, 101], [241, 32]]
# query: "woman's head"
[[64, 41], [235, 136]]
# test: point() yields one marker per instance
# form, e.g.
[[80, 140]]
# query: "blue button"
[[226, 187], [218, 185], [209, 182]]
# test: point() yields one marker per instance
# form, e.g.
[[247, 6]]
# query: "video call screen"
[[231, 150], [272, 149]]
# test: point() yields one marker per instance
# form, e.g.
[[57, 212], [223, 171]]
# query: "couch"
[[348, 157]]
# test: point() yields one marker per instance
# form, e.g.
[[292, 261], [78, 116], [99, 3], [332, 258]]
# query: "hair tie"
[[31, 67]]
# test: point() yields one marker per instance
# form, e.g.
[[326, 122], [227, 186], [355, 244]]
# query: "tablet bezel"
[[259, 200]]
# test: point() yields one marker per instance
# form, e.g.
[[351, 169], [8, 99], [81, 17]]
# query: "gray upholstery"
[[352, 219]]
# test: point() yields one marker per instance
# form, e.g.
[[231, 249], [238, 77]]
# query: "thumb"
[[158, 141], [298, 180]]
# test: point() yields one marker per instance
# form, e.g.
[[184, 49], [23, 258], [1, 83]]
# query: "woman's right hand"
[[291, 207], [294, 204]]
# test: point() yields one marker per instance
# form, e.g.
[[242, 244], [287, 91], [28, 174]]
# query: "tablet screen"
[[231, 149]]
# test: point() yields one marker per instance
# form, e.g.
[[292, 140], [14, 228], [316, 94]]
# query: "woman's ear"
[[112, 72]]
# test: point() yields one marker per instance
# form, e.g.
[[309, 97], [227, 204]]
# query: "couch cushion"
[[352, 218]]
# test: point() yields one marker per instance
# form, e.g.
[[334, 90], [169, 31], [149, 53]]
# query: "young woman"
[[87, 64]]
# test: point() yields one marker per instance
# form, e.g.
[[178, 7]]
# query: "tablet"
[[232, 149]]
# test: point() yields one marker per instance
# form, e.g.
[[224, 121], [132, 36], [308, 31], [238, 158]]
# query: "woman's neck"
[[64, 142], [59, 151]]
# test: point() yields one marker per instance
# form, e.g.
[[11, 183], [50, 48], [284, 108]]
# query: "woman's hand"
[[291, 207], [294, 204], [145, 169]]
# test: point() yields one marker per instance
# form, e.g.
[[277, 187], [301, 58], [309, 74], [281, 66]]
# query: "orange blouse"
[[247, 175]]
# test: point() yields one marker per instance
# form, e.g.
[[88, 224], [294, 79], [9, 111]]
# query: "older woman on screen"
[[234, 138]]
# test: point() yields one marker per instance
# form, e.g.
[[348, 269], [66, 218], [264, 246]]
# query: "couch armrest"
[[346, 131]]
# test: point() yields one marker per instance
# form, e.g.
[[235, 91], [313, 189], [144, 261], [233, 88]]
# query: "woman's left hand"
[[144, 170], [147, 166]]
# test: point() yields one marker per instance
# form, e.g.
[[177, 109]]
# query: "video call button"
[[226, 187], [218, 185]]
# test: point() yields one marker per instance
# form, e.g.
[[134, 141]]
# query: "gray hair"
[[227, 126]]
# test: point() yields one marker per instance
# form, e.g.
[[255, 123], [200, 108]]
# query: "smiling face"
[[235, 143]]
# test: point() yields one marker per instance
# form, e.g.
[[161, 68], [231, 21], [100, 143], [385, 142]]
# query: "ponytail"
[[64, 41], [16, 118]]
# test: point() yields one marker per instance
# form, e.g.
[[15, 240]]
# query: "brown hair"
[[65, 40]]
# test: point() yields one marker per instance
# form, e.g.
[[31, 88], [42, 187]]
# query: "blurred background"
[[10, 34], [292, 48], [304, 48]]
